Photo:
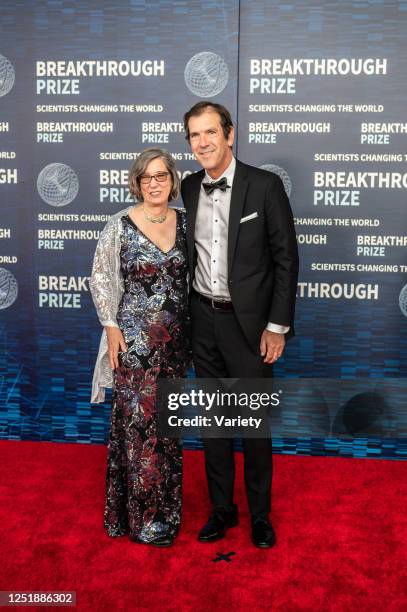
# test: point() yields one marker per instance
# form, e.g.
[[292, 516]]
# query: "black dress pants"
[[220, 350]]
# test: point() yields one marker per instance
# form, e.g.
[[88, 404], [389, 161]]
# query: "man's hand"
[[115, 342], [271, 346]]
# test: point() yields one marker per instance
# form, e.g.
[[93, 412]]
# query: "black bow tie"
[[222, 184]]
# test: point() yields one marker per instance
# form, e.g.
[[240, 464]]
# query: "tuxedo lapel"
[[239, 188], [191, 205]]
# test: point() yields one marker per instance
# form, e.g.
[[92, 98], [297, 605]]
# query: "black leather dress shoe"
[[263, 535], [219, 522]]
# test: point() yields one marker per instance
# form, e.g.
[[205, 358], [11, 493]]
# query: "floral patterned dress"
[[144, 472]]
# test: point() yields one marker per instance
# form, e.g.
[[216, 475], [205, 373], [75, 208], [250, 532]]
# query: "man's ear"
[[231, 137]]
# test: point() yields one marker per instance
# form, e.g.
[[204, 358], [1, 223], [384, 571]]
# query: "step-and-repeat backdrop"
[[318, 95]]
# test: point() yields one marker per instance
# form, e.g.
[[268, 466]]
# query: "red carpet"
[[340, 523]]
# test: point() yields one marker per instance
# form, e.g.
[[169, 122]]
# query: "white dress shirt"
[[211, 239]]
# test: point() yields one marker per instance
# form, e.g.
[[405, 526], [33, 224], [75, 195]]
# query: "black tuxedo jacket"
[[262, 251]]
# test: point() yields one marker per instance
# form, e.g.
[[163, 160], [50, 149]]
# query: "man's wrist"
[[278, 329]]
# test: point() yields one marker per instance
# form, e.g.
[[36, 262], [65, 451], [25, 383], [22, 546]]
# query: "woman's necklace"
[[152, 218]]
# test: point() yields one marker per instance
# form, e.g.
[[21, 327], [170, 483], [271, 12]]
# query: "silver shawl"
[[107, 287]]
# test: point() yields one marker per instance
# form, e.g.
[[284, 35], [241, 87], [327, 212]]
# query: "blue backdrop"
[[318, 94]]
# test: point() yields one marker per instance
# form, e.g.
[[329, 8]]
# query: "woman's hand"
[[115, 343]]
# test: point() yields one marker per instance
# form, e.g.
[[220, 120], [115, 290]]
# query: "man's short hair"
[[201, 107]]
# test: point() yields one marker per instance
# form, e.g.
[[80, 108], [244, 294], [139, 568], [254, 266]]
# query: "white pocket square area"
[[249, 217]]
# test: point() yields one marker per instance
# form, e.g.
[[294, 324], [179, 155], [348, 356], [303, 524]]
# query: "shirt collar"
[[229, 173]]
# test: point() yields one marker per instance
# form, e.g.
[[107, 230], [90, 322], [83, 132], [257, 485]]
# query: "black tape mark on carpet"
[[223, 557]]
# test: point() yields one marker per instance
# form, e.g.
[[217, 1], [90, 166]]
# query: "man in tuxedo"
[[243, 263]]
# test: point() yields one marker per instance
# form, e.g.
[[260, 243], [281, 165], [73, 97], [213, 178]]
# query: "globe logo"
[[206, 74], [7, 75], [403, 300], [282, 174], [57, 184], [8, 289]]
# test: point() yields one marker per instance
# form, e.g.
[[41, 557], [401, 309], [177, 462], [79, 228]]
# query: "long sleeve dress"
[[142, 290]]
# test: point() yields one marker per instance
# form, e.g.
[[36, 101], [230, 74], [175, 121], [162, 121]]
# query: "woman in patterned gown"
[[139, 287]]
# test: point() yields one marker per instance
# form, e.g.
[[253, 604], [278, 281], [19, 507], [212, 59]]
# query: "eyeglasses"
[[161, 177]]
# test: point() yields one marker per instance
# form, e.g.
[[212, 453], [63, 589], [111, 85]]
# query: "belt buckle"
[[219, 302]]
